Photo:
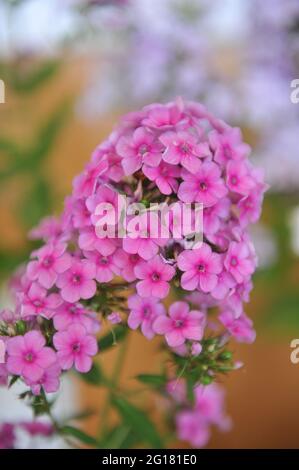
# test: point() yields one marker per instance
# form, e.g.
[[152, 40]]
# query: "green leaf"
[[13, 380], [119, 437], [138, 421], [29, 82], [112, 338], [156, 381], [79, 435], [94, 376]]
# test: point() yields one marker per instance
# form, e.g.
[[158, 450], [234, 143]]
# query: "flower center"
[[103, 261], [203, 186], [234, 261], [155, 276], [146, 311], [201, 268], [143, 149], [76, 347], [77, 278], [134, 258], [48, 261], [29, 357], [37, 303], [178, 323], [184, 148], [73, 310], [234, 180]]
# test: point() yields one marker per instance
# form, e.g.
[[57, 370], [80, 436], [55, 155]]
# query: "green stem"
[[113, 383]]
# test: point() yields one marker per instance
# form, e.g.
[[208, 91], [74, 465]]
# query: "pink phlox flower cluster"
[[177, 153], [194, 422]]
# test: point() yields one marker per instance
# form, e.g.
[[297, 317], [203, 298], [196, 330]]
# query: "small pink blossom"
[[126, 264], [201, 268], [105, 266], [7, 436], [48, 229], [89, 241], [181, 324], [49, 381], [38, 428], [36, 302], [240, 328], [228, 145], [143, 312], [192, 428], [165, 176], [28, 356], [196, 349], [141, 147], [114, 318], [154, 275], [144, 239], [162, 117], [206, 186], [238, 261], [51, 261], [75, 347], [68, 314], [238, 178], [85, 184], [78, 281], [183, 147]]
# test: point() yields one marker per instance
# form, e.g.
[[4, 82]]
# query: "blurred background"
[[72, 67]]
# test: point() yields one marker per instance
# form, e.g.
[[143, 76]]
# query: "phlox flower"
[[165, 176], [155, 275], [239, 261], [106, 268], [240, 328], [126, 263], [141, 147], [38, 428], [103, 208], [201, 268], [181, 324], [228, 145], [214, 216], [238, 177], [143, 312], [85, 184], [206, 186], [88, 240], [114, 318], [192, 428], [80, 214], [49, 381], [75, 347], [250, 207], [162, 117], [48, 229], [28, 356], [78, 281], [7, 436], [68, 314], [144, 238], [52, 260], [36, 302], [183, 147]]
